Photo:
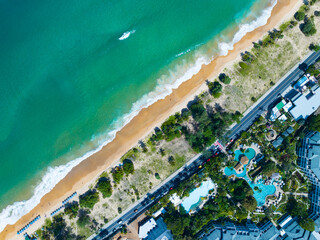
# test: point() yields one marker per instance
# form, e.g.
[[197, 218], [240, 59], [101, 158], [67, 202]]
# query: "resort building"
[[287, 132], [288, 229], [154, 230], [305, 104], [244, 160], [275, 112], [309, 161], [276, 143], [238, 167]]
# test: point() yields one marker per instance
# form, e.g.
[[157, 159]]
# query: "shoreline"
[[84, 174]]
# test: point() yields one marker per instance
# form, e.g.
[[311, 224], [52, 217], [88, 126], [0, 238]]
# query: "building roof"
[[314, 154], [305, 105], [275, 175], [244, 159], [160, 232], [287, 107], [238, 166], [283, 117], [146, 228], [276, 143], [281, 104]]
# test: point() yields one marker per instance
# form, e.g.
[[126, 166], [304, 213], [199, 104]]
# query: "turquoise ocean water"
[[73, 72]]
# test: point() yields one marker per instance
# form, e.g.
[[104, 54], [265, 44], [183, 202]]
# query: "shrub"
[[128, 166], [72, 209], [317, 13], [314, 47], [224, 78], [243, 65], [307, 224], [89, 199], [308, 28], [299, 16], [249, 203], [284, 26], [84, 219], [215, 88], [157, 176], [117, 174], [104, 186]]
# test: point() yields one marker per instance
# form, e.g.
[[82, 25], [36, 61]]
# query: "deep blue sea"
[[73, 72]]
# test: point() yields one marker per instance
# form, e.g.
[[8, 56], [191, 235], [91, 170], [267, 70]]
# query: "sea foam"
[[164, 87], [125, 35], [246, 28]]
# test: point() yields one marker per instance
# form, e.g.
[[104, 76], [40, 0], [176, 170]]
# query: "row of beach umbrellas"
[[29, 224], [68, 198], [57, 210]]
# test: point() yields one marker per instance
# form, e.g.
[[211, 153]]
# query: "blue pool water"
[[250, 153], [195, 196], [266, 190], [230, 171]]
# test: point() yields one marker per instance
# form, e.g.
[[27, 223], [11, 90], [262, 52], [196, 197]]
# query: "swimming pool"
[[264, 190], [261, 194], [250, 153], [194, 198]]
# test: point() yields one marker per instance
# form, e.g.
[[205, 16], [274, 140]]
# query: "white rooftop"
[[288, 219], [146, 228], [175, 199], [304, 107]]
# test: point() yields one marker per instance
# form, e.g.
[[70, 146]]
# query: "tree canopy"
[[117, 174], [313, 123], [307, 224], [89, 199], [104, 186], [215, 88], [308, 28], [128, 166], [224, 78]]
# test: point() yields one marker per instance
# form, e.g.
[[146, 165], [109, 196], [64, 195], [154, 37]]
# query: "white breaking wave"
[[14, 212], [246, 28], [125, 35]]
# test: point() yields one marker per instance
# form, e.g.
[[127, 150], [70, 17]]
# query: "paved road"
[[266, 100], [193, 165]]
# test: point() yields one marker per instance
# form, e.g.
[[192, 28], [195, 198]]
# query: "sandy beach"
[[83, 175]]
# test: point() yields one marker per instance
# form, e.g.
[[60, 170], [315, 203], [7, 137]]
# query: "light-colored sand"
[[83, 175]]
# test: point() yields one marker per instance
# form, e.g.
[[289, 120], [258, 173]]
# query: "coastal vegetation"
[[105, 187], [89, 199]]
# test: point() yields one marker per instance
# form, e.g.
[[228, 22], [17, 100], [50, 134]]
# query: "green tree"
[[89, 199], [215, 89], [104, 186], [224, 78], [313, 123], [60, 230], [307, 224], [249, 203], [117, 174], [128, 166], [269, 168], [72, 209], [299, 16], [84, 219], [308, 28], [240, 189], [314, 47]]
